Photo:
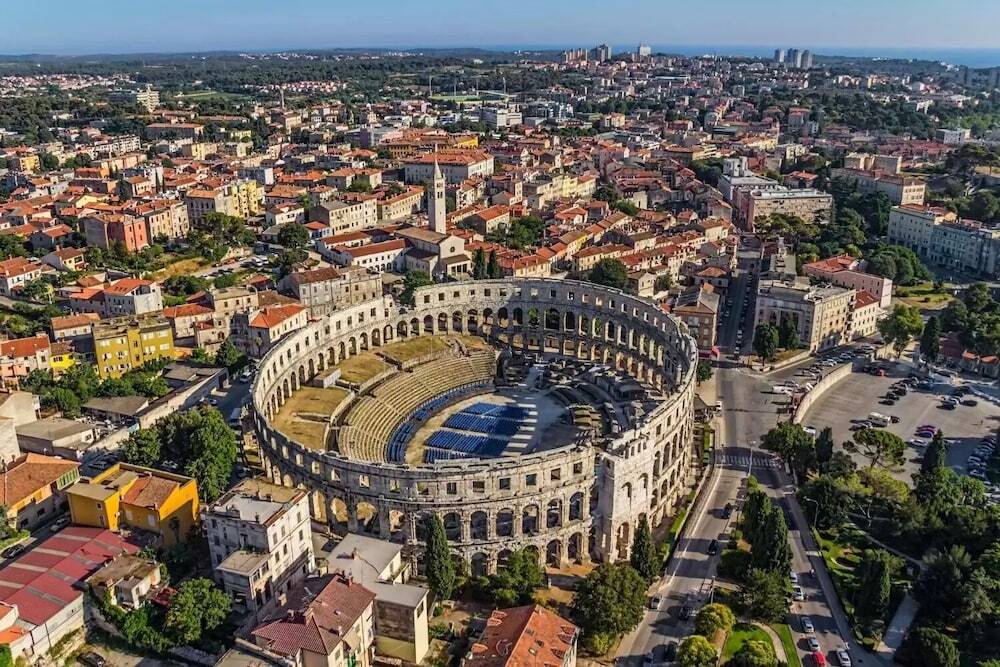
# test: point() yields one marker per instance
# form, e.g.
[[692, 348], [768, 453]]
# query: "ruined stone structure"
[[571, 503]]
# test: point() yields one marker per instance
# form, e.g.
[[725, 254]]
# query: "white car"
[[798, 594], [918, 442], [813, 644], [807, 625], [793, 577], [843, 657]]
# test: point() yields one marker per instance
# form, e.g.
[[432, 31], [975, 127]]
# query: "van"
[[879, 420], [236, 418]]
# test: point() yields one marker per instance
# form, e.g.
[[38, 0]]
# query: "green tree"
[[754, 653], [755, 510], [871, 599], [609, 272], [65, 401], [930, 339], [142, 448], [763, 595], [493, 269], [197, 607], [212, 453], [936, 453], [927, 647], [795, 447], [438, 563], [704, 371], [766, 341], [900, 327], [824, 447], [644, 556], [696, 651], [479, 264], [878, 446], [515, 583], [788, 334], [826, 501], [229, 357], [411, 283], [714, 617], [610, 599], [772, 551]]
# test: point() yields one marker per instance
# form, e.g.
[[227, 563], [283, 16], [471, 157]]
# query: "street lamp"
[[816, 510]]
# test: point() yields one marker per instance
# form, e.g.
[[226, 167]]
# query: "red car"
[[819, 659]]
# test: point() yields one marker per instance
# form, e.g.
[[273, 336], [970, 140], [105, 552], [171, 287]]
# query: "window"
[[479, 486], [578, 468], [451, 488], [505, 483], [555, 475], [531, 479]]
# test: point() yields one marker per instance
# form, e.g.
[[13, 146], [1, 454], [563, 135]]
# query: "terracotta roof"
[[272, 316], [864, 298], [29, 474], [19, 348], [150, 491], [127, 285], [523, 636], [186, 310], [74, 321]]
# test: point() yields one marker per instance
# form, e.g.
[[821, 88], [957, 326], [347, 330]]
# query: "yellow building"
[[61, 358], [124, 343], [246, 197], [139, 499]]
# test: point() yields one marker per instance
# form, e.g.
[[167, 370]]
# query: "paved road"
[[749, 413]]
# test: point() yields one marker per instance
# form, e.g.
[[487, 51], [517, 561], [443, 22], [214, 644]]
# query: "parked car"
[[812, 643], [843, 657], [670, 651], [654, 602], [713, 547], [91, 659], [59, 524], [686, 612], [798, 594], [807, 624], [13, 552]]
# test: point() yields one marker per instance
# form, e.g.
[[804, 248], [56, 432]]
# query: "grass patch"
[[742, 633], [788, 643], [182, 267], [362, 367], [302, 416], [924, 296]]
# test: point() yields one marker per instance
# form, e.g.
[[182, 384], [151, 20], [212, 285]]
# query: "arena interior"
[[527, 413]]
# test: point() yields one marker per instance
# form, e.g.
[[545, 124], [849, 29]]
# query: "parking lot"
[[858, 395]]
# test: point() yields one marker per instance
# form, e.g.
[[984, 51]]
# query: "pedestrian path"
[[743, 460]]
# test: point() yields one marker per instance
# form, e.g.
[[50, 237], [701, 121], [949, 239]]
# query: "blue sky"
[[113, 26]]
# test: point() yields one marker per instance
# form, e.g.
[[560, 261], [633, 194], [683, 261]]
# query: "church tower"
[[436, 208]]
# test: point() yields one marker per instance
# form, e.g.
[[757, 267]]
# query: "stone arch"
[[452, 526], [352, 345], [503, 557], [342, 351], [569, 321], [505, 523], [337, 517], [376, 337], [503, 317], [623, 540], [576, 506], [312, 368], [530, 520], [387, 334], [442, 322], [397, 524], [574, 547], [366, 515], [533, 317], [479, 525], [363, 340], [472, 320], [402, 329], [552, 319], [428, 324], [553, 513], [553, 553], [479, 565]]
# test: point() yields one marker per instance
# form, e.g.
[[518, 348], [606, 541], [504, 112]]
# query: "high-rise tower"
[[436, 208]]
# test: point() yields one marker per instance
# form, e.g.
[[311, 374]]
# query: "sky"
[[127, 26]]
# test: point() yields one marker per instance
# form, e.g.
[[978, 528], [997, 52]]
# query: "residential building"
[[865, 318], [327, 620], [255, 332], [900, 190], [821, 314], [123, 343], [106, 230], [260, 541], [131, 297], [845, 271], [126, 580], [937, 236], [147, 98], [174, 131], [161, 503], [41, 592], [376, 257], [20, 356], [402, 205], [32, 486], [529, 635], [66, 259], [347, 216], [57, 436], [455, 165], [806, 203], [323, 291], [17, 271], [490, 219], [186, 317], [401, 630], [698, 308]]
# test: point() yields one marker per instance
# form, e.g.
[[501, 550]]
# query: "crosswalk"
[[744, 460]]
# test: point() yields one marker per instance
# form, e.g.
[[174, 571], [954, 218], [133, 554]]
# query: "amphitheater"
[[539, 414]]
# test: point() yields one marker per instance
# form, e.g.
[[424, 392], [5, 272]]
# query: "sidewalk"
[[898, 627]]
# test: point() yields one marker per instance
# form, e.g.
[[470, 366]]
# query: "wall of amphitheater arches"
[[572, 503]]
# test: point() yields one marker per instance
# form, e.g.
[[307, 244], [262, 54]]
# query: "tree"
[[229, 357], [212, 453], [754, 653], [878, 446], [197, 607], [438, 563], [939, 589], [901, 326], [766, 341], [871, 599], [934, 457], [791, 442], [644, 557], [714, 617], [755, 510], [762, 595], [610, 599], [411, 283], [65, 401], [772, 551], [824, 447], [930, 339], [696, 651], [703, 371], [493, 269], [826, 501], [38, 289], [479, 264], [515, 583], [927, 647], [788, 334], [142, 448], [609, 272]]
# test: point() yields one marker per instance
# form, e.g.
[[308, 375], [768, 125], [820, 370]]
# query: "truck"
[[878, 419]]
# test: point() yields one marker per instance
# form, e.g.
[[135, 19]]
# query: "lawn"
[[742, 633], [924, 296], [362, 367], [788, 643], [182, 267], [305, 415]]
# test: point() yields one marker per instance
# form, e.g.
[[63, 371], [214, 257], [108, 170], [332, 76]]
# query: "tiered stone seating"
[[373, 419]]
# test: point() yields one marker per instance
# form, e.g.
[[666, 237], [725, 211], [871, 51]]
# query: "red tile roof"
[[523, 636], [272, 316], [20, 348]]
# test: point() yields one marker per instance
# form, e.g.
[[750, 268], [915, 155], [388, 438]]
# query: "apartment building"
[[377, 257], [323, 291], [257, 331], [899, 189], [698, 308], [17, 271], [845, 271], [937, 236], [174, 131], [808, 204], [201, 202], [123, 343], [402, 205], [343, 216], [20, 356], [154, 501], [146, 98], [132, 296], [260, 541], [109, 229], [32, 488], [455, 165], [821, 314]]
